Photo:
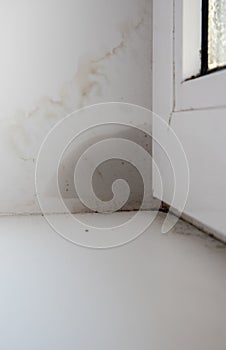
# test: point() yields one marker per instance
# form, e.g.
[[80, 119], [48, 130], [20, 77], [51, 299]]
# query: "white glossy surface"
[[195, 109], [202, 134], [160, 292]]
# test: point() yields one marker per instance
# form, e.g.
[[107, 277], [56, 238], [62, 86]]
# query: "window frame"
[[196, 111], [191, 92], [205, 37]]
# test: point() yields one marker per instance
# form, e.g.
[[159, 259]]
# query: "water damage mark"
[[184, 228], [27, 129]]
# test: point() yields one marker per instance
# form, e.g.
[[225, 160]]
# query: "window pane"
[[217, 34]]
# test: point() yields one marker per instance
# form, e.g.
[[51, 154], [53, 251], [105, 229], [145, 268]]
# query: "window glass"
[[217, 34]]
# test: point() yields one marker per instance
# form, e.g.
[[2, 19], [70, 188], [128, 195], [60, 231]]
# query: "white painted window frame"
[[195, 109], [173, 42], [200, 92]]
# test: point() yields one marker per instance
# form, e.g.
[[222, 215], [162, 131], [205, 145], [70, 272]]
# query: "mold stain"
[[183, 228], [28, 129]]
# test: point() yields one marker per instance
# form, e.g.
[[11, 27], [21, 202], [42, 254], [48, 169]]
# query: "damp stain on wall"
[[94, 75], [28, 128]]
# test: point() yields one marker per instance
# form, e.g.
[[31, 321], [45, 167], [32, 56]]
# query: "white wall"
[[57, 56]]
